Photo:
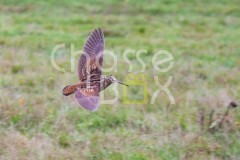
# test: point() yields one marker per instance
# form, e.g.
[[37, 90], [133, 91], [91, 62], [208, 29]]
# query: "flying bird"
[[91, 82]]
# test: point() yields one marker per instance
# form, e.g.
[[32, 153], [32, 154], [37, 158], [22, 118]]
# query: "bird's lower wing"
[[88, 98]]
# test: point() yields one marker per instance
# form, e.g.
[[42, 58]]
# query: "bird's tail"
[[68, 90]]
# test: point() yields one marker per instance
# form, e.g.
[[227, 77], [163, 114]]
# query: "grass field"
[[38, 122]]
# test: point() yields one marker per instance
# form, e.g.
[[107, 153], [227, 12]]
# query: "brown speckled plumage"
[[89, 73]]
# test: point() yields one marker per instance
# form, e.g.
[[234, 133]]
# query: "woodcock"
[[86, 91]]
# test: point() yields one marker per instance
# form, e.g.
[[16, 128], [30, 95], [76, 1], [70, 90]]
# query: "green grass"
[[37, 122]]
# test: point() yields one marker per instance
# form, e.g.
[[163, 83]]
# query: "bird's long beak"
[[121, 82]]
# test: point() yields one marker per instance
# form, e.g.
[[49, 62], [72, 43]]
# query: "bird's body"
[[68, 90], [90, 73]]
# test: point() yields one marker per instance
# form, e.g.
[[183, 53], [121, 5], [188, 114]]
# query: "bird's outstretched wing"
[[88, 98], [90, 61]]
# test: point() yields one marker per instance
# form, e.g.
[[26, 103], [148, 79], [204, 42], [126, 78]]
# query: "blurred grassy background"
[[37, 122]]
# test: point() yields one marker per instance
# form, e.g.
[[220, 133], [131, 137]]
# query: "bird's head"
[[113, 79]]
